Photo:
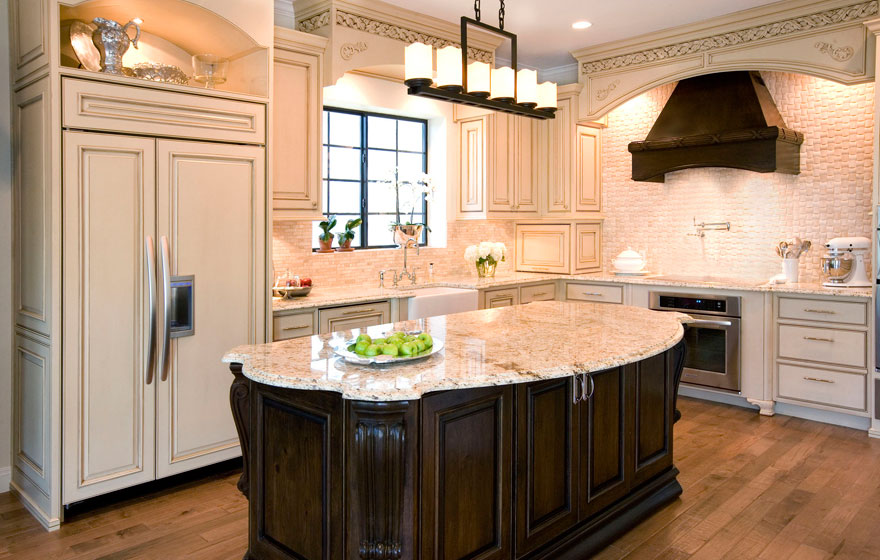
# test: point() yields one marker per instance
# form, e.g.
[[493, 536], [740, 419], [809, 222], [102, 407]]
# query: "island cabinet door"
[[605, 437], [296, 474], [653, 401], [467, 440], [547, 461]]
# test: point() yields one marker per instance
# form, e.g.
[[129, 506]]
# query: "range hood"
[[718, 120]]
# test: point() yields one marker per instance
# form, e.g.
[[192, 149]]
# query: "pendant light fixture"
[[505, 89]]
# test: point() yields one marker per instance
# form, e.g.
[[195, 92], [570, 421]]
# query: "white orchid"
[[408, 191]]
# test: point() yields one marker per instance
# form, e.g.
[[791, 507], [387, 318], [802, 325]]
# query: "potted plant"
[[344, 238], [325, 239], [486, 257]]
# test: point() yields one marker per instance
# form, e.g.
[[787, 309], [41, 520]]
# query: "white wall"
[[5, 254]]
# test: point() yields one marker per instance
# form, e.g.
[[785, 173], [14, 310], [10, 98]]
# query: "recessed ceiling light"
[[583, 24]]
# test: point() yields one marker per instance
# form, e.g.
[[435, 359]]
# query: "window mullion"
[[364, 182]]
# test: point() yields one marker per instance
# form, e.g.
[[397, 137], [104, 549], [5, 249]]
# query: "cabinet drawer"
[[594, 292], [538, 292], [293, 326], [337, 319], [832, 388], [827, 346], [849, 312], [100, 106], [504, 297]]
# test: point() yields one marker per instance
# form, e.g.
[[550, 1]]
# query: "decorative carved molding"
[[379, 444], [239, 400], [317, 21], [789, 26], [840, 54], [391, 31], [601, 94], [348, 50]]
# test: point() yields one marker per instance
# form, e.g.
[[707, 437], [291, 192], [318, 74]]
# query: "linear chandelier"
[[503, 89]]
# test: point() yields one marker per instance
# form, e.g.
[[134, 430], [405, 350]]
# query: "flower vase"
[[486, 269]]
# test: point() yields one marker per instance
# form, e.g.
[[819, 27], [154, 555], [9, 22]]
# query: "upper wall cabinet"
[[30, 40], [296, 125]]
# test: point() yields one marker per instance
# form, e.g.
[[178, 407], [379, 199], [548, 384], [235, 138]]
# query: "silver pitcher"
[[112, 41]]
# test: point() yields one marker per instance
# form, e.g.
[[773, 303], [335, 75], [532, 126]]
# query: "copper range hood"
[[718, 120]]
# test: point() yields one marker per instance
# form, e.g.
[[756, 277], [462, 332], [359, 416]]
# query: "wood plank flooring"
[[754, 487]]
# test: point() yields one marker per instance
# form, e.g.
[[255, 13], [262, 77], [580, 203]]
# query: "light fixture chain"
[[501, 16], [477, 9]]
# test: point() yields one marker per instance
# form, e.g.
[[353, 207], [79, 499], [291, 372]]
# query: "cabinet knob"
[[314, 204]]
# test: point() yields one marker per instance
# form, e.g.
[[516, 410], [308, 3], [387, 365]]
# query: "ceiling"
[[543, 27]]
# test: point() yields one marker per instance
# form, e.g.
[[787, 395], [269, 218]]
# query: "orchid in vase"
[[408, 194], [486, 257]]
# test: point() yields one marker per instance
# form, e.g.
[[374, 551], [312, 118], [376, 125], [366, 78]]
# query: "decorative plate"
[[85, 50], [341, 348], [158, 72]]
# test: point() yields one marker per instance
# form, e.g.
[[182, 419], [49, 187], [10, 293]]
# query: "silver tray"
[[340, 348]]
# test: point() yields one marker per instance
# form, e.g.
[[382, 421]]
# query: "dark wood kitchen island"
[[540, 431]]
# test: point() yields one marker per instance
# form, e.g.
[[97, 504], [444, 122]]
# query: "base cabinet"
[[549, 469]]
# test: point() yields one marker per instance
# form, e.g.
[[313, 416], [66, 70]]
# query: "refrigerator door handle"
[[150, 254], [166, 304]]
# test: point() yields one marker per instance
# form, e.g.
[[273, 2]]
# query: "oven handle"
[[709, 323]]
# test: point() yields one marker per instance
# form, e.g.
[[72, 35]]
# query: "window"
[[361, 150]]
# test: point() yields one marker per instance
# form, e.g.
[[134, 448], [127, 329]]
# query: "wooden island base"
[[513, 471]]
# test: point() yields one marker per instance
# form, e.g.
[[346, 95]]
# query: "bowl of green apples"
[[392, 348]]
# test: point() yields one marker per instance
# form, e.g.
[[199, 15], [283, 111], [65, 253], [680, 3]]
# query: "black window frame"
[[364, 162]]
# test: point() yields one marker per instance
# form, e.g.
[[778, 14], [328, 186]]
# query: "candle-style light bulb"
[[449, 68], [527, 88], [418, 65], [547, 95], [503, 83], [478, 78]]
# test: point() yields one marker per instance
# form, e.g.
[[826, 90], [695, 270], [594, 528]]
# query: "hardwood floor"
[[754, 487]]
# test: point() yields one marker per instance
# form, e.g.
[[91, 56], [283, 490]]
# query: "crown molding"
[[789, 17]]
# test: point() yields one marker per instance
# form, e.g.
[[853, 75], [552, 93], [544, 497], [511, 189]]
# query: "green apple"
[[408, 349], [420, 345], [379, 341], [372, 350], [390, 350], [364, 337], [426, 338], [361, 346]]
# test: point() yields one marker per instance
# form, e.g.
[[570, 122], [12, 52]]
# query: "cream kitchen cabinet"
[[334, 319], [296, 125], [294, 325], [821, 352], [142, 215], [474, 176], [560, 247]]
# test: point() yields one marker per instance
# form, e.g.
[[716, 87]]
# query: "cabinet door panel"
[[473, 156], [211, 209], [466, 474], [32, 203], [354, 317], [296, 133], [546, 462], [588, 169], [503, 142], [654, 392], [109, 210], [604, 437], [526, 183], [561, 132]]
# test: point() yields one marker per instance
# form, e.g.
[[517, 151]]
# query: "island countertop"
[[541, 340]]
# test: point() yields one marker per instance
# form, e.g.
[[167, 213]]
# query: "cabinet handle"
[[593, 294], [819, 379], [150, 250], [296, 328], [824, 311], [166, 298], [592, 386], [817, 339], [358, 311], [576, 395], [539, 294]]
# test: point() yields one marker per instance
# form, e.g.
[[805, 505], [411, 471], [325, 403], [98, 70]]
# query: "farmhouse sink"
[[429, 302]]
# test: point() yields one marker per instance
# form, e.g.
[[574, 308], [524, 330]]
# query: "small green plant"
[[348, 234], [326, 227]]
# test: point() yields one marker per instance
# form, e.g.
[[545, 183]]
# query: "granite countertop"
[[516, 344], [326, 296]]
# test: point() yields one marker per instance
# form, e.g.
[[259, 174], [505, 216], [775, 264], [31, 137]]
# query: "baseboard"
[[48, 523], [874, 433], [715, 396], [825, 416], [5, 478]]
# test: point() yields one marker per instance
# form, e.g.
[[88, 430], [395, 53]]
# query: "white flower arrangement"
[[486, 252], [408, 192]]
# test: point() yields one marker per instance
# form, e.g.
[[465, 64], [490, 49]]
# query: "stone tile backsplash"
[[831, 197]]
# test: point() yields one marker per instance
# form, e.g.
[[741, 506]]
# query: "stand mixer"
[[844, 262]]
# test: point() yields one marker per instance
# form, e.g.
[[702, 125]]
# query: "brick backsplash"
[[831, 197], [292, 251]]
